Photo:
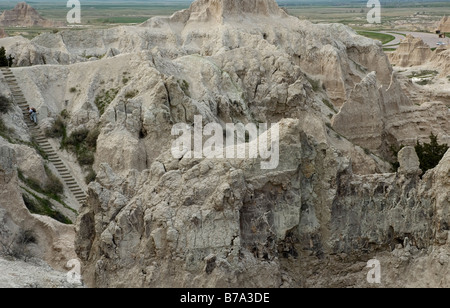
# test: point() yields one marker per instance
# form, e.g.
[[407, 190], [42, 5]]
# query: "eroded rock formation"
[[412, 51], [444, 24], [153, 220], [54, 241], [23, 15]]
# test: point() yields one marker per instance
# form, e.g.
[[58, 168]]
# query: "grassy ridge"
[[382, 37]]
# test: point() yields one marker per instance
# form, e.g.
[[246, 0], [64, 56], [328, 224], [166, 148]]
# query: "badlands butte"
[[150, 220]]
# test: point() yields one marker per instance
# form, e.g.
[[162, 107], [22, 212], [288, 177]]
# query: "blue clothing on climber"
[[33, 114]]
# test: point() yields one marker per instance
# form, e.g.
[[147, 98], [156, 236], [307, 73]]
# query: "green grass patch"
[[105, 98], [40, 206], [315, 84], [382, 37], [52, 188], [389, 49], [424, 82], [329, 105], [423, 73]]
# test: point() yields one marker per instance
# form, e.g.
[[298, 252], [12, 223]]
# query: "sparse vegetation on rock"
[[58, 129], [5, 104], [105, 98], [52, 187], [429, 154], [41, 206], [83, 143], [17, 246]]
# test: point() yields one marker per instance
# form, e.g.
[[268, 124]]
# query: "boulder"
[[409, 161]]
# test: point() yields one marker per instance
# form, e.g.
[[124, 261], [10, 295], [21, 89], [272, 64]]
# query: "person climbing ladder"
[[33, 114]]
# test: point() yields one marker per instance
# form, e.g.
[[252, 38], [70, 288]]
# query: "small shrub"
[[184, 85], [91, 176], [85, 157], [91, 138], [58, 129], [83, 143], [17, 246], [26, 237], [73, 90], [80, 135], [125, 80], [77, 137], [5, 104], [54, 186], [65, 114], [130, 94]]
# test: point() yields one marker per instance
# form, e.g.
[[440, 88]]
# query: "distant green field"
[[384, 38], [121, 20], [102, 13], [355, 14]]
